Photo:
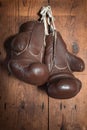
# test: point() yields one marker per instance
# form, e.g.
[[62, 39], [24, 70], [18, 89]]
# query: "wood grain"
[[22, 106], [71, 20]]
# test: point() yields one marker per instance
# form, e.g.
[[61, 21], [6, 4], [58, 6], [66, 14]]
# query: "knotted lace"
[[48, 19]]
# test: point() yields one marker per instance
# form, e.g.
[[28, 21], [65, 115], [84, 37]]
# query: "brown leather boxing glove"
[[61, 83], [27, 50]]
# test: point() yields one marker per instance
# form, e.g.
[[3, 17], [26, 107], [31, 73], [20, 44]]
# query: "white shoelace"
[[48, 19]]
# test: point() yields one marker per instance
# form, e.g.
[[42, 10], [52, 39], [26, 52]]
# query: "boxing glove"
[[27, 51], [62, 84]]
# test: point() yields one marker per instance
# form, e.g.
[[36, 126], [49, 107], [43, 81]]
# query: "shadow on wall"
[[7, 46], [10, 114]]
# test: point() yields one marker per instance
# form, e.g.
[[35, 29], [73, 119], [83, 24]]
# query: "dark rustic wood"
[[25, 107], [22, 106], [71, 21]]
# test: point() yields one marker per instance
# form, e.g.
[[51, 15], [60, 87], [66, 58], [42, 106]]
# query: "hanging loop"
[[48, 19]]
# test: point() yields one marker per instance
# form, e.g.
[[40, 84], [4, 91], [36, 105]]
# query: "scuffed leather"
[[27, 51], [62, 84]]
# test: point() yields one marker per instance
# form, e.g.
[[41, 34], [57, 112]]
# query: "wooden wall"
[[25, 107]]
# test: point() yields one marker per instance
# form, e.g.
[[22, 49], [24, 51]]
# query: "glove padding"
[[27, 54], [61, 83]]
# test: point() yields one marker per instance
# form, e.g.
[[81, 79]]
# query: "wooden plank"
[[28, 9], [22, 106], [71, 22], [7, 27], [70, 7]]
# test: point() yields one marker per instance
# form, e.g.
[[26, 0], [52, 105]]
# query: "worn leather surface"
[[62, 84], [37, 59], [27, 51]]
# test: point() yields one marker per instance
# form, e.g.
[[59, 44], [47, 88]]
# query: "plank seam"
[[48, 2], [48, 113]]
